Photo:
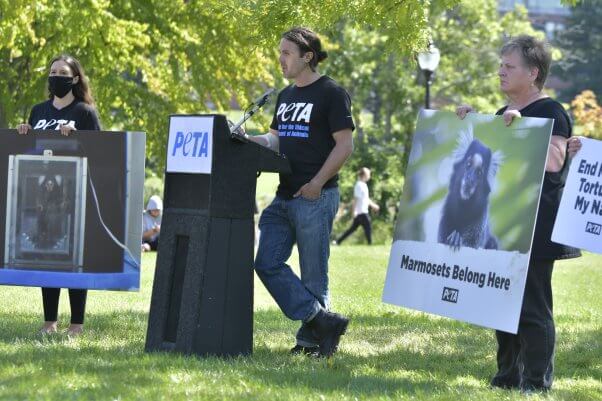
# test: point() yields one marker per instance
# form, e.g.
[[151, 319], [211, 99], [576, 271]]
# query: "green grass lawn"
[[267, 183], [388, 353]]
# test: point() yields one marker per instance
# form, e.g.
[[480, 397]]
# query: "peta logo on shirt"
[[190, 144], [44, 124], [295, 112]]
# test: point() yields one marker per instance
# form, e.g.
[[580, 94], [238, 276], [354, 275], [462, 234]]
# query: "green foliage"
[[32, 33], [388, 353], [386, 163], [404, 24], [147, 59], [581, 45], [469, 37], [387, 89], [153, 185]]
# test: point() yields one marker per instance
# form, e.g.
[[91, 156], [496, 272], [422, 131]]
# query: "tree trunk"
[[3, 121], [359, 128]]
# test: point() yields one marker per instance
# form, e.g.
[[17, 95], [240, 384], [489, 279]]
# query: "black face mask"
[[59, 86]]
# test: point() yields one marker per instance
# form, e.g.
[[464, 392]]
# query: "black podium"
[[202, 300]]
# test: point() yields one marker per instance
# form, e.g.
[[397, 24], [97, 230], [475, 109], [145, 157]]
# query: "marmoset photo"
[[465, 215], [471, 184], [46, 197], [70, 215]]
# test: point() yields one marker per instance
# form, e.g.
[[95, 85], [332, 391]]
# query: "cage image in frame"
[[45, 212]]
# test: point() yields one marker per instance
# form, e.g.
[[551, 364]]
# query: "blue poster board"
[[72, 214]]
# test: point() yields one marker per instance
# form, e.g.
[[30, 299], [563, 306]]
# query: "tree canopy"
[[149, 58], [581, 45], [387, 87]]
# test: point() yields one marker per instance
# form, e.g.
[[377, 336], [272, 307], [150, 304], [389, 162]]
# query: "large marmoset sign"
[[71, 216], [467, 215]]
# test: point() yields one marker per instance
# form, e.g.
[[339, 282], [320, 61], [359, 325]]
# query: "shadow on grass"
[[379, 355]]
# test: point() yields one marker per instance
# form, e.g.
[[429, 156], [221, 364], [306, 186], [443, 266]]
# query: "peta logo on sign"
[[193, 144], [190, 144], [450, 295], [593, 228]]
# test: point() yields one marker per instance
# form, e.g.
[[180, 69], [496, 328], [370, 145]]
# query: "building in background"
[[549, 16], [546, 15]]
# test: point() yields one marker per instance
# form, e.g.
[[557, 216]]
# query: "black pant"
[[77, 300], [526, 360], [359, 220]]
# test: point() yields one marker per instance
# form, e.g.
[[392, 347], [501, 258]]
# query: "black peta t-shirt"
[[305, 118], [78, 115], [553, 184]]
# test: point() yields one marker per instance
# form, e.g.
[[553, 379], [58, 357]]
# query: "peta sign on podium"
[[190, 144], [202, 299]]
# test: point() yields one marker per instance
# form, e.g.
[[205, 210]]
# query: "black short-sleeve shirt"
[[553, 184], [305, 118], [78, 115]]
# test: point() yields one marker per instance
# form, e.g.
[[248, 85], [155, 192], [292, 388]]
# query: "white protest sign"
[[190, 144], [579, 219], [473, 285], [466, 219]]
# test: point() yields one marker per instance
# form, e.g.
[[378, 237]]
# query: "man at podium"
[[312, 127]]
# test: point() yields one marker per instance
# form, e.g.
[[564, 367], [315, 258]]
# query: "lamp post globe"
[[428, 61]]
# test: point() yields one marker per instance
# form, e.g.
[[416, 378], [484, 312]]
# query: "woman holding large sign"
[[526, 360], [70, 107]]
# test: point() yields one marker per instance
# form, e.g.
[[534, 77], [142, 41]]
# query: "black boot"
[[328, 327], [309, 351]]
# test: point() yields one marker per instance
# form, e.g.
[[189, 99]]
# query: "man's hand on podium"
[[269, 140], [238, 134]]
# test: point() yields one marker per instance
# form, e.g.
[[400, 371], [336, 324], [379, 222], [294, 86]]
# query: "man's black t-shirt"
[[78, 115], [553, 184], [305, 118]]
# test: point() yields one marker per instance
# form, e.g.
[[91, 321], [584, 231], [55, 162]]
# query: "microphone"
[[261, 100], [252, 109]]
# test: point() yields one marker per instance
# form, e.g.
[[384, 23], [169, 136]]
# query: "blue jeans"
[[309, 224]]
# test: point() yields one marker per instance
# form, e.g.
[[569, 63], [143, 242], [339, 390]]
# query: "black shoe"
[[529, 389], [309, 351], [328, 327], [504, 384]]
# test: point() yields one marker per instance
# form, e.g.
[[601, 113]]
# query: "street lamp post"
[[428, 62]]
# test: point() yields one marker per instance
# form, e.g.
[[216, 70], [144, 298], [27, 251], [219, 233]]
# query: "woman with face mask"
[[70, 107]]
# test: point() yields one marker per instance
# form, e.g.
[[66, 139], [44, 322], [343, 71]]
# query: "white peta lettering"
[[300, 112], [43, 124]]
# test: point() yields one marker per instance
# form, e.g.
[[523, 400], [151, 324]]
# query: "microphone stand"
[[256, 105]]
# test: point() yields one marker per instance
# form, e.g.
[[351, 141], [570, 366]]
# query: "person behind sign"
[[526, 360], [313, 127], [69, 107], [151, 224], [361, 204]]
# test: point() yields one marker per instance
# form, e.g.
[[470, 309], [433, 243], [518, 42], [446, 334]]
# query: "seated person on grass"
[[151, 224]]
